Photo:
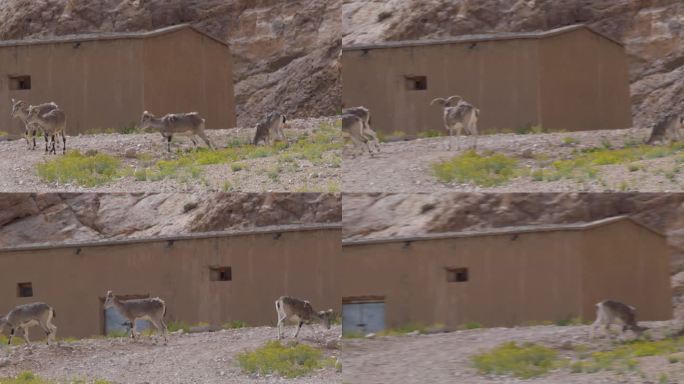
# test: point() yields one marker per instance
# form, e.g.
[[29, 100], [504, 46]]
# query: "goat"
[[176, 123], [352, 125], [270, 129], [667, 128], [292, 309], [368, 132], [614, 312], [20, 110], [459, 116], [53, 123], [152, 309], [28, 315]]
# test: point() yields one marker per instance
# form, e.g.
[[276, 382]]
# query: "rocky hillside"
[[285, 52], [51, 217], [384, 215], [652, 30]]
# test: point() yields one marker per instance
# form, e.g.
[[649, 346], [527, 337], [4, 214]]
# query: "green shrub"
[[87, 171], [288, 361], [485, 171], [472, 325], [526, 361], [234, 324]]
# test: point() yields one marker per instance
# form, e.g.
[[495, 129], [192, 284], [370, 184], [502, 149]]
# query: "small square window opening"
[[24, 290], [19, 83], [221, 274], [416, 83], [457, 275]]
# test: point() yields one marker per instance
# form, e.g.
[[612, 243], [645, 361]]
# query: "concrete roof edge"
[[191, 236], [502, 231], [480, 38], [109, 36]]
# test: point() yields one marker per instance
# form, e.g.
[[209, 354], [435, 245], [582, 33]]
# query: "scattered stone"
[[131, 153]]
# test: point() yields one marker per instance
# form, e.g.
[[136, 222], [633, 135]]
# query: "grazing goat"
[[352, 125], [28, 315], [53, 123], [614, 312], [20, 111], [667, 128], [270, 129], [296, 310], [459, 116], [368, 133], [176, 124], [152, 309]]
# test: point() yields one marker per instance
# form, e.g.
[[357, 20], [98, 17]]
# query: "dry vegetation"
[[539, 354], [616, 160], [234, 354], [309, 161]]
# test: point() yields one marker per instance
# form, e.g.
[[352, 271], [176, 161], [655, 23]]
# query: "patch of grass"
[[525, 361], [583, 164], [314, 147], [234, 324], [569, 140], [227, 186], [174, 326], [24, 378], [624, 357], [471, 325], [530, 129], [333, 187], [117, 334], [290, 361], [76, 168], [569, 321], [485, 171], [403, 330], [16, 340], [430, 133]]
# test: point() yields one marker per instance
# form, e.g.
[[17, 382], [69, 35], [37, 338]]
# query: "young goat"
[[352, 125], [368, 133], [190, 124], [614, 312], [53, 123], [28, 315], [152, 309], [296, 310], [20, 111], [459, 116], [270, 129], [667, 128]]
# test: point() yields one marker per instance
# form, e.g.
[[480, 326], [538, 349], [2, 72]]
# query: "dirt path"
[[18, 165], [445, 358], [405, 166], [188, 358]]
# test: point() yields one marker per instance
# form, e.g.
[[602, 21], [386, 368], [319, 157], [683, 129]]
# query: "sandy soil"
[[18, 165], [405, 166], [445, 358], [188, 358]]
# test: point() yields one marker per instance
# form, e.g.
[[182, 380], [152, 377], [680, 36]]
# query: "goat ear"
[[13, 101], [109, 294]]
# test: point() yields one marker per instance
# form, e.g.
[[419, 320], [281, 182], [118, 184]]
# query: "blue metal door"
[[116, 324], [363, 318]]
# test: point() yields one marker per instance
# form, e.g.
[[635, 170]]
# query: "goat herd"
[[25, 316], [49, 119]]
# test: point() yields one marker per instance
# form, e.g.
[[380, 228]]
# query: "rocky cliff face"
[[652, 30], [285, 52], [385, 215], [49, 218]]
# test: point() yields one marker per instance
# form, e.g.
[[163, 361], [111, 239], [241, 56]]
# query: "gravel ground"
[[445, 358], [188, 358], [405, 166], [18, 165]]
